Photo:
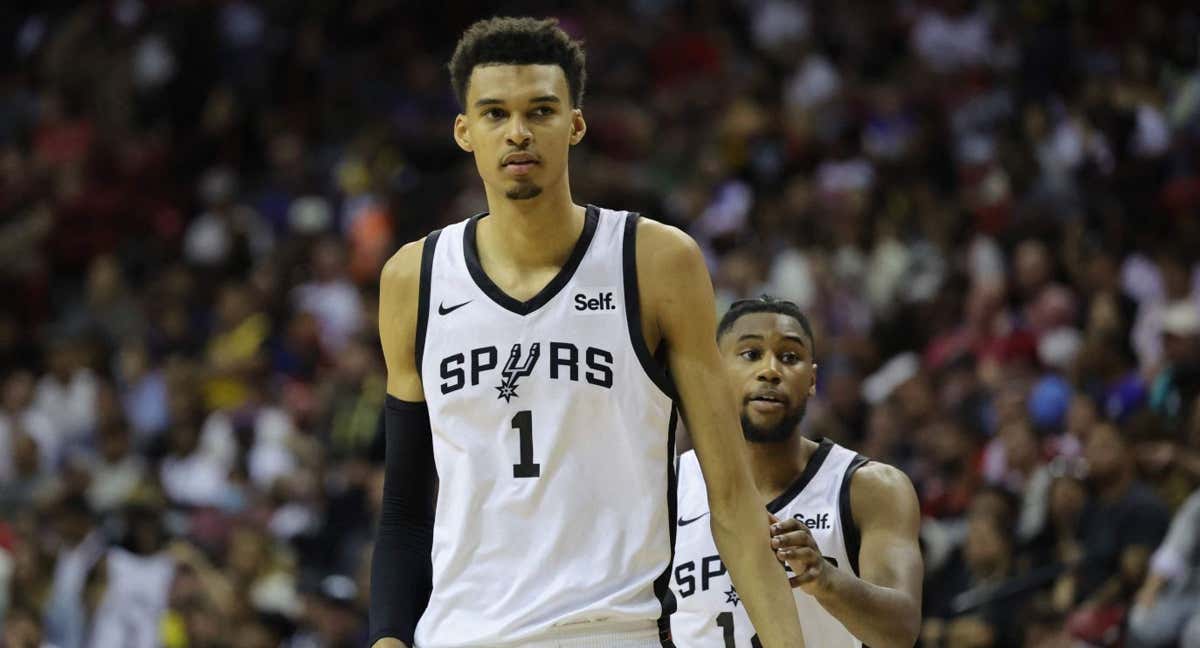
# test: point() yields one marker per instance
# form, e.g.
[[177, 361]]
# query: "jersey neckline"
[[810, 471], [504, 300]]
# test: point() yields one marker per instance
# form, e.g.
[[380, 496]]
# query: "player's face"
[[768, 359], [519, 123]]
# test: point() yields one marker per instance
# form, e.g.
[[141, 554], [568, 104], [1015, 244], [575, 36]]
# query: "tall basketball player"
[[847, 528], [525, 352]]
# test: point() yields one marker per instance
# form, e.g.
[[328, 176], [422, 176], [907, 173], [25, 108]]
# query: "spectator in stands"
[[960, 611], [1122, 524], [136, 578], [81, 546], [1166, 610]]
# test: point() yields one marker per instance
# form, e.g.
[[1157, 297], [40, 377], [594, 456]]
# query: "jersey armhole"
[[653, 364], [851, 536], [427, 252]]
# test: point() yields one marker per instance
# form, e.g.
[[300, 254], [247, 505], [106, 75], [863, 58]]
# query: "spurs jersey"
[[710, 613], [553, 438]]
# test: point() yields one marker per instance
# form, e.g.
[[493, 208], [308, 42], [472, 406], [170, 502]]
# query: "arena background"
[[990, 211]]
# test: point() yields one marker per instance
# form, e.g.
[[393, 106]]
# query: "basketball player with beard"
[[845, 527]]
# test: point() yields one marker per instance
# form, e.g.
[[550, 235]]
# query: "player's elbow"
[[903, 631]]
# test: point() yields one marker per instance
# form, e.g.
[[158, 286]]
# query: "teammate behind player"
[[848, 528], [521, 348]]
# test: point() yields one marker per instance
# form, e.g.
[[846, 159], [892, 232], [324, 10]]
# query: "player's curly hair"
[[517, 41], [766, 304]]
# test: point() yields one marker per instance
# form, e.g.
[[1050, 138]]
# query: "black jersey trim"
[[851, 535], [427, 251], [810, 471], [504, 300], [652, 363], [662, 584]]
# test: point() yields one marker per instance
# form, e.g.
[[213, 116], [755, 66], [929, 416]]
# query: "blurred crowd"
[[990, 210]]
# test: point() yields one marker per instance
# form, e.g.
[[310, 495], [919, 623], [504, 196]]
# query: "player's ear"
[[578, 126], [812, 388], [462, 136]]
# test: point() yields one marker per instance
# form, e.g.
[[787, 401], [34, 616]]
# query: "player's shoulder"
[[403, 269], [876, 477], [400, 287], [664, 238], [666, 254], [880, 489]]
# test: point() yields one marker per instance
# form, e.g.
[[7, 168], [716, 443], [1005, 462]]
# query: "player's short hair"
[[766, 304], [517, 41]]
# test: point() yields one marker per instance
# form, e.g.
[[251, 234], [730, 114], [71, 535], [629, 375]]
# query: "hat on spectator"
[[310, 215], [1057, 348], [1048, 402], [1181, 319], [894, 373]]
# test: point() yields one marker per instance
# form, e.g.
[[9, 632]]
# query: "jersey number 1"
[[523, 424], [725, 622]]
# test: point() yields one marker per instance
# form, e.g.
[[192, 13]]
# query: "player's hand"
[[794, 545]]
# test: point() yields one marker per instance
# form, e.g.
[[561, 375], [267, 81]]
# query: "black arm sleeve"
[[401, 567]]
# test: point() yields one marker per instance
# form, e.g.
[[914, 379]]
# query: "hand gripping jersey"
[[710, 613], [553, 437]]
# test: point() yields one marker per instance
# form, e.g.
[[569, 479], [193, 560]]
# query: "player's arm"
[[400, 565], [883, 607], [678, 289]]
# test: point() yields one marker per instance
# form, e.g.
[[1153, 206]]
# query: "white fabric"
[[337, 308], [518, 560], [38, 427], [271, 456], [777, 23], [791, 277], [134, 601], [947, 43], [1148, 328], [113, 483], [709, 607], [218, 441], [637, 634], [1178, 557], [196, 480], [71, 407], [836, 176], [815, 81], [1152, 136]]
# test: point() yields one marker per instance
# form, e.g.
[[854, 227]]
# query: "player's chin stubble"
[[523, 192], [781, 431]]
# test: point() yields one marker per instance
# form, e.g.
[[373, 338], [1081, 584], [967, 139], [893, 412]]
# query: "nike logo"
[[683, 522], [442, 310]]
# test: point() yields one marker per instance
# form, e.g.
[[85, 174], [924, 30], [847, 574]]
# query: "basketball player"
[[524, 349], [847, 528]]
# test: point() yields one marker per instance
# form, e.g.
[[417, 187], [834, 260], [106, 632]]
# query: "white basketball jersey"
[[710, 613], [553, 436]]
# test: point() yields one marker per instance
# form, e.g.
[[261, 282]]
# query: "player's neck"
[[777, 465], [531, 233]]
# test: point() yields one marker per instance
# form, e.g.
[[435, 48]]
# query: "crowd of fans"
[[990, 210]]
